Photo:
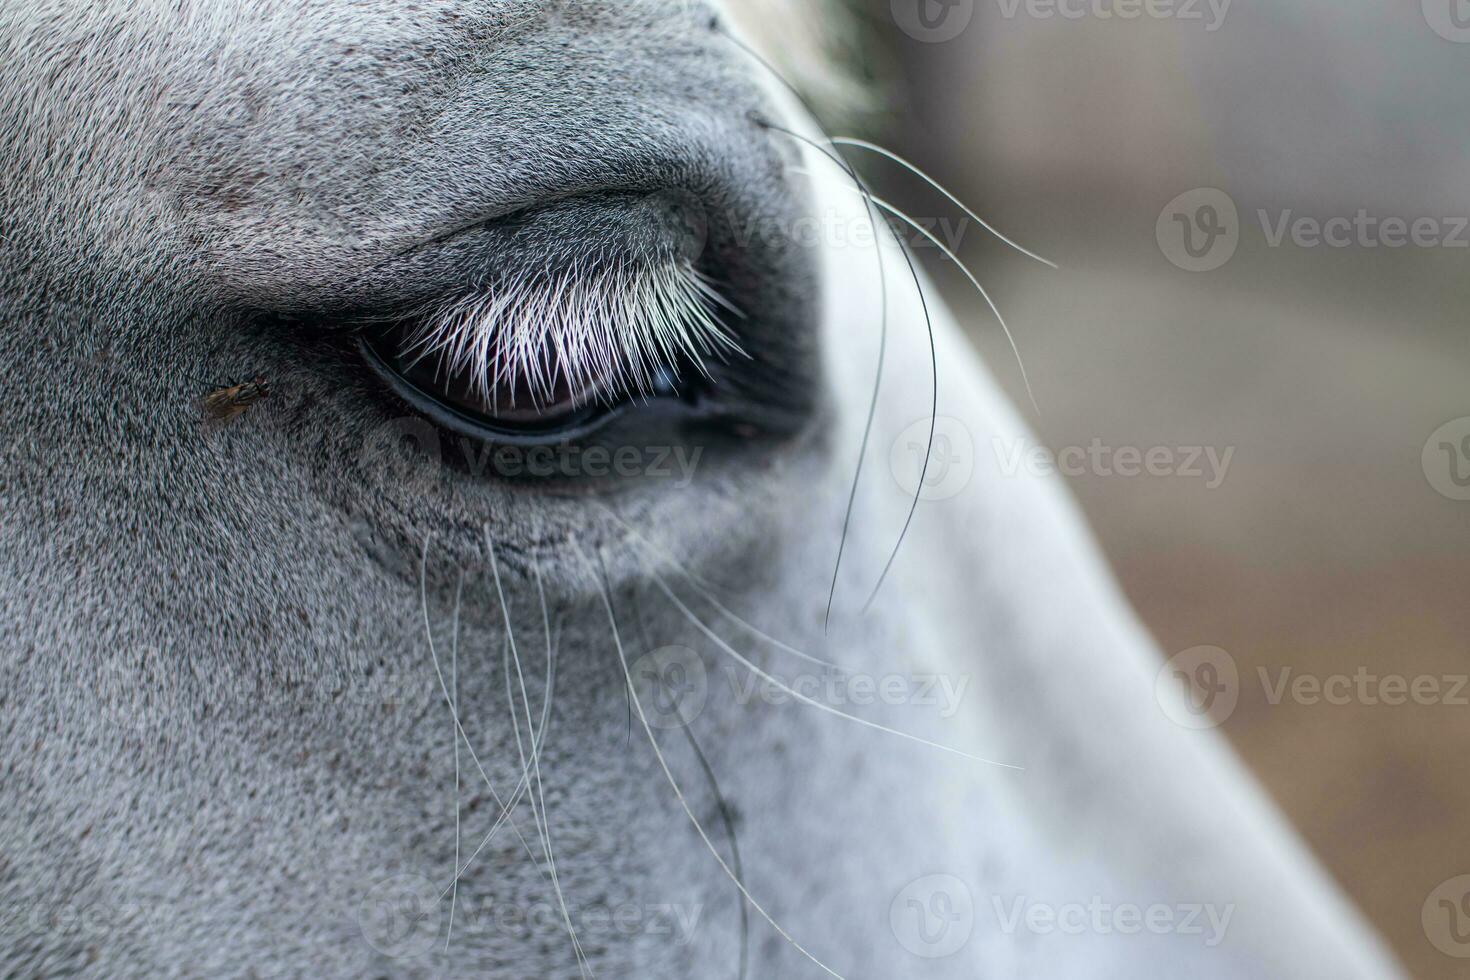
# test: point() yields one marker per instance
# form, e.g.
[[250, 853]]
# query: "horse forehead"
[[267, 124], [270, 31], [220, 58]]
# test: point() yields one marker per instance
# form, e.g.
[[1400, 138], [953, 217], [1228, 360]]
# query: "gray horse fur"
[[225, 748]]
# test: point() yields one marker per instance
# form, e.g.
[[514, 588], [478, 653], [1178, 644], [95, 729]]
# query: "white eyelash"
[[609, 330]]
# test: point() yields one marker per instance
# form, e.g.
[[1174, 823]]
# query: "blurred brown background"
[[1325, 550]]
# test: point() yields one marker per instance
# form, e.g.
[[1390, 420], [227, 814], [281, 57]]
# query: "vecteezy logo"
[[1446, 917], [400, 917], [1198, 688], [1199, 230], [933, 21], [1450, 19], [933, 917], [672, 686], [951, 461], [1447, 459]]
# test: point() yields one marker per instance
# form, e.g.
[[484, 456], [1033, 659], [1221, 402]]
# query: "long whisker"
[[728, 820], [913, 168], [872, 403], [454, 683], [550, 649], [537, 740], [539, 789], [459, 726], [545, 706], [811, 702], [669, 775], [707, 596], [933, 374], [727, 817], [973, 281], [538, 803], [882, 332], [933, 429], [949, 254]]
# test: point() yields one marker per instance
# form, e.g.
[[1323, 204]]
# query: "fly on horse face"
[[500, 692], [231, 401]]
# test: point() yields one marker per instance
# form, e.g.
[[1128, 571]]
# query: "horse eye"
[[519, 409], [554, 356]]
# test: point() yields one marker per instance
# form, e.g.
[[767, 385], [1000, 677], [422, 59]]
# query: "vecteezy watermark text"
[[1211, 13], [1201, 229], [844, 229], [936, 21], [402, 917], [1363, 229], [1100, 917], [405, 448], [1209, 464], [934, 917], [1201, 688], [942, 692], [674, 686]]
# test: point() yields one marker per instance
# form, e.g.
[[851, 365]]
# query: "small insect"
[[230, 402]]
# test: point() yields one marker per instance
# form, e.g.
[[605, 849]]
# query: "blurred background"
[[1327, 550]]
